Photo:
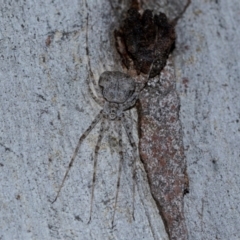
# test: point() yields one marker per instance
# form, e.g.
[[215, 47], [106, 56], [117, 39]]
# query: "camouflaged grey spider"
[[119, 93]]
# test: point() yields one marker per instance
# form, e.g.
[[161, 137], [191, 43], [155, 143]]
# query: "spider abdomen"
[[116, 87]]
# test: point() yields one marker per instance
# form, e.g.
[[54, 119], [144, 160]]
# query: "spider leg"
[[131, 102], [100, 136], [119, 167], [175, 20], [140, 82], [133, 144], [85, 134], [97, 99]]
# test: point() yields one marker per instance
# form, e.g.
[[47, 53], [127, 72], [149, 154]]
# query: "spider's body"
[[119, 93], [117, 88], [112, 110]]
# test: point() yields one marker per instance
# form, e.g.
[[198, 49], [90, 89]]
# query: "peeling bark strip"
[[161, 149], [144, 42]]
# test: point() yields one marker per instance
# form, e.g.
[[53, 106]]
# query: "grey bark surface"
[[48, 50], [45, 107], [208, 73]]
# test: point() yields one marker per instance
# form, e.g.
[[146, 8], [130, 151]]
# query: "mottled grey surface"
[[45, 107], [208, 75]]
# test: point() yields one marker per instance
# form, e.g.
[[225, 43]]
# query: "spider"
[[119, 93]]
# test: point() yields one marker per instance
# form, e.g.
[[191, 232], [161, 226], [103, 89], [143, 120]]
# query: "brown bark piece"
[[161, 149], [144, 41]]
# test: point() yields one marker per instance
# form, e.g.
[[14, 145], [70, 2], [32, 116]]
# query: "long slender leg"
[[119, 167], [97, 99], [174, 21], [133, 144], [95, 85], [100, 136], [131, 102], [85, 134]]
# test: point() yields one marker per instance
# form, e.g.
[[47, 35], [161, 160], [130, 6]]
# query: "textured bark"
[[161, 149], [208, 72], [48, 51], [144, 42]]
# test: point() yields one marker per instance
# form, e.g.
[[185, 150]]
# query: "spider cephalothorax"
[[119, 93]]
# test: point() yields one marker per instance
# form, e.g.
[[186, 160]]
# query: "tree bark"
[[48, 51], [208, 73]]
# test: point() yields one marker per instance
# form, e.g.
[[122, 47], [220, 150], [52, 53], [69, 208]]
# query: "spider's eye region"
[[112, 114], [113, 111]]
